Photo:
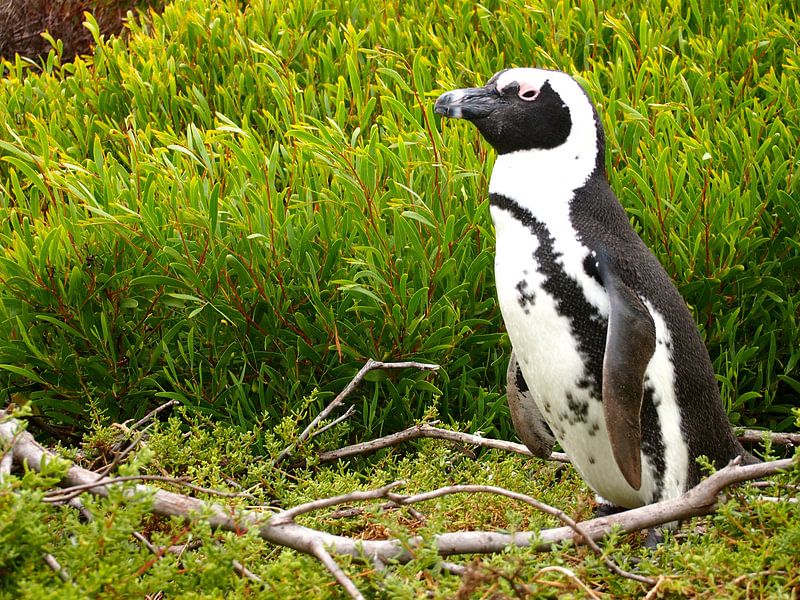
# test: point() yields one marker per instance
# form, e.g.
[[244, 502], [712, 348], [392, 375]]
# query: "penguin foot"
[[604, 509], [655, 537]]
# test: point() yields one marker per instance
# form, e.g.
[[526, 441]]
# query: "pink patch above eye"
[[527, 91]]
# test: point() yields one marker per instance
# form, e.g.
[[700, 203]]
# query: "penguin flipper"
[[630, 343], [528, 421]]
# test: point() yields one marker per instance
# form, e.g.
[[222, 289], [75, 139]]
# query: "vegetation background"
[[234, 205]]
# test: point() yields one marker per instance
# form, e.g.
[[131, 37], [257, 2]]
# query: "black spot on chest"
[[591, 267], [526, 297]]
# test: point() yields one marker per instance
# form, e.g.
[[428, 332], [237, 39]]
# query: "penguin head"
[[526, 109]]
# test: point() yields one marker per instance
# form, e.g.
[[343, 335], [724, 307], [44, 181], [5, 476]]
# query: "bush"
[[234, 207]]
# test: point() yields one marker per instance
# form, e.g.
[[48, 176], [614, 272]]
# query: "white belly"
[[553, 366]]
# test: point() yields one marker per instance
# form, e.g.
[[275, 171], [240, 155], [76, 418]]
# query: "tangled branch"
[[22, 450], [282, 528]]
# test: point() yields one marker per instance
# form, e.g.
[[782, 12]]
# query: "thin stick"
[[245, 572], [369, 366], [54, 565], [427, 431], [318, 550], [346, 513], [153, 413], [777, 500], [747, 576], [288, 515], [178, 549], [82, 510], [654, 590], [68, 493], [121, 455], [571, 576], [348, 413], [147, 543]]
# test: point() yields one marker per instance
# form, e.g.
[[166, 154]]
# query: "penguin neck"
[[543, 181]]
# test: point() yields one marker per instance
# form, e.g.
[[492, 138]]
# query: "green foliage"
[[235, 206]]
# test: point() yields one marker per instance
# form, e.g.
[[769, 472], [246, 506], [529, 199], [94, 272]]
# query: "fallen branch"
[[67, 494], [424, 430], [7, 458], [428, 431], [282, 530], [370, 365], [537, 504], [6, 462], [758, 436]]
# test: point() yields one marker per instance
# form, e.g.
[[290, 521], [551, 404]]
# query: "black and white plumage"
[[607, 358]]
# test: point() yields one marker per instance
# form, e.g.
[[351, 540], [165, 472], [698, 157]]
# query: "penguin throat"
[[537, 177]]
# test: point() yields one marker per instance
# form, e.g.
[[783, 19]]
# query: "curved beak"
[[468, 103]]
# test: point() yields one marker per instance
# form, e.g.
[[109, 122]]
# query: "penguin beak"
[[468, 103]]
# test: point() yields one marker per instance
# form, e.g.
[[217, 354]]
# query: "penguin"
[[607, 359]]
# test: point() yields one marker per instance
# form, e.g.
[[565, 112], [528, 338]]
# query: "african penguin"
[[606, 357]]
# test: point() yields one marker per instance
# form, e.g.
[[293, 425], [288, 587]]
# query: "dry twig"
[[758, 436], [318, 549], [177, 549], [369, 366], [654, 590], [571, 576], [245, 572], [66, 494], [281, 528], [77, 504], [348, 413], [428, 431], [56, 567], [124, 453], [149, 416]]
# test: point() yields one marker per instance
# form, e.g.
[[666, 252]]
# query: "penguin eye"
[[528, 94]]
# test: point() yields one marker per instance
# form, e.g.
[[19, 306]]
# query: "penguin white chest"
[[552, 356]]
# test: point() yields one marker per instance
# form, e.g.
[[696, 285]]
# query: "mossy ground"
[[747, 550]]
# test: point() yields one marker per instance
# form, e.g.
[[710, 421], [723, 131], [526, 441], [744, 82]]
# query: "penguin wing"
[[630, 343], [528, 421]]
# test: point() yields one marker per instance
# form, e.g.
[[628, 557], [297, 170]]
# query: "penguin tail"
[[749, 459]]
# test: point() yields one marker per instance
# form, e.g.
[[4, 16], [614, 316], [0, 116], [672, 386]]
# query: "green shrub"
[[234, 207]]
